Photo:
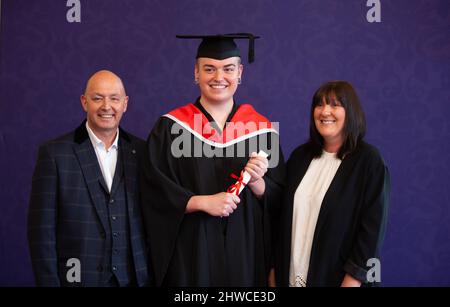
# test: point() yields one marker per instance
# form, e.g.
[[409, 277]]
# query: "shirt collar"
[[96, 141]]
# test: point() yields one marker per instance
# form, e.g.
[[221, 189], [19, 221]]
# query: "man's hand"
[[220, 204]]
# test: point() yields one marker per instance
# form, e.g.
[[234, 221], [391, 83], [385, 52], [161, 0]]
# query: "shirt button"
[[113, 218], [115, 234], [111, 201], [114, 268]]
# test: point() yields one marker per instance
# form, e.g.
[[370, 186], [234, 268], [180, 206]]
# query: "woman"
[[336, 198]]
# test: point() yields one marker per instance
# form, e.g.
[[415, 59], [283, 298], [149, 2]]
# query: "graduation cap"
[[222, 46]]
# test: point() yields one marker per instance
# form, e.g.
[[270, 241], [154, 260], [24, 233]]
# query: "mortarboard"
[[222, 46]]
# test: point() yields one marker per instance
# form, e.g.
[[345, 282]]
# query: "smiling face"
[[329, 118], [218, 79], [105, 102]]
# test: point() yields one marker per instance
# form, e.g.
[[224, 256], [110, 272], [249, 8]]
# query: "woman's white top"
[[307, 202]]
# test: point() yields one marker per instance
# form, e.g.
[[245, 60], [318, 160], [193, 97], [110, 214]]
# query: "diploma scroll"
[[244, 178]]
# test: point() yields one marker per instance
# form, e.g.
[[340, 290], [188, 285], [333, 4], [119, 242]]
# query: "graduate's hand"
[[257, 167], [220, 204]]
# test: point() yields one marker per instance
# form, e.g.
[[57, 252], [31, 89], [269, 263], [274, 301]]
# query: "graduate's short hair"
[[355, 121], [238, 58]]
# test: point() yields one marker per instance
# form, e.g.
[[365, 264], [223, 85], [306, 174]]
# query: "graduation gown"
[[198, 249], [352, 219]]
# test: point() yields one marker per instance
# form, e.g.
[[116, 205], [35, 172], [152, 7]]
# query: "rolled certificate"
[[244, 178]]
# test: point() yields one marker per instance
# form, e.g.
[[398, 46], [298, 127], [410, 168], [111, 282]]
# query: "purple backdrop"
[[399, 66]]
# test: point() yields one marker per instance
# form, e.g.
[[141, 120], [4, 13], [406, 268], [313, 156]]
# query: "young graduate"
[[200, 232]]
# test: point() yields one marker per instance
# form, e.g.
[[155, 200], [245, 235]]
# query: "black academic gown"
[[352, 219], [197, 249]]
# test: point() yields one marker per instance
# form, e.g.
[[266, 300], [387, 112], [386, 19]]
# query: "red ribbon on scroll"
[[235, 188]]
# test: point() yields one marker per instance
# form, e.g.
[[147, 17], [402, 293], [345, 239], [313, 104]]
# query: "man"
[[84, 223], [201, 231]]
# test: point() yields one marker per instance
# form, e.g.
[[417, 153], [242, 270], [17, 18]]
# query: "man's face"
[[104, 102], [218, 79]]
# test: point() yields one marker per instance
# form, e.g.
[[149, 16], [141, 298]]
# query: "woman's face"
[[330, 120]]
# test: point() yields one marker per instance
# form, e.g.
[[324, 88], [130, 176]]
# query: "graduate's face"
[[329, 118], [104, 101], [218, 79]]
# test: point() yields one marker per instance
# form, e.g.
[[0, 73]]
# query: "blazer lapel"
[[129, 160], [339, 179], [91, 171]]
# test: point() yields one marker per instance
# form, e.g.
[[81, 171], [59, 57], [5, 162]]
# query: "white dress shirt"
[[307, 202], [107, 158]]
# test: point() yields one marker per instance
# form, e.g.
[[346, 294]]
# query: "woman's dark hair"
[[355, 122]]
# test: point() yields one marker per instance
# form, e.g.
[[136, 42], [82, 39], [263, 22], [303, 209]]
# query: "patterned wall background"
[[400, 67]]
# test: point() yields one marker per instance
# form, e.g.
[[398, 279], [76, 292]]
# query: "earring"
[[195, 81], [239, 81]]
